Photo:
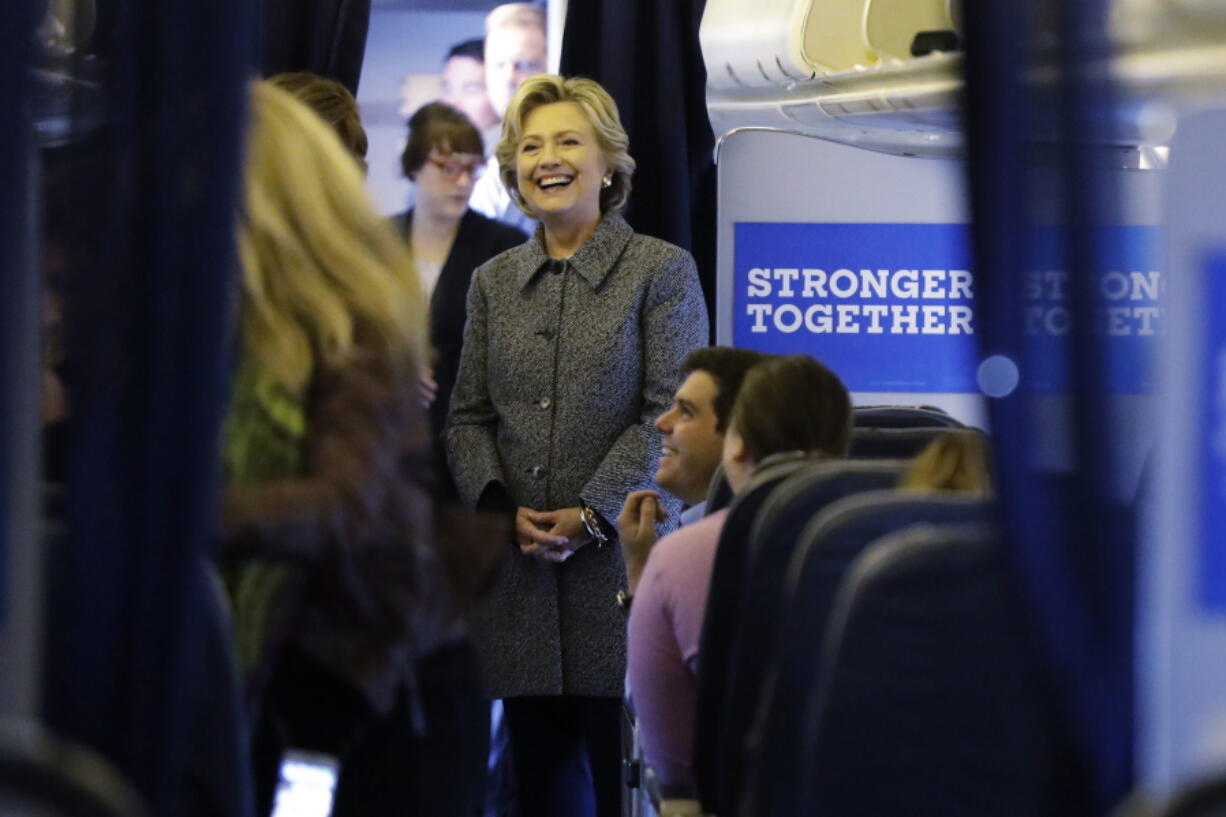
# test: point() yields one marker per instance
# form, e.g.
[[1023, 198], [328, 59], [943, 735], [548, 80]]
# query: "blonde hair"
[[516, 15], [319, 265], [333, 102], [601, 112], [954, 461]]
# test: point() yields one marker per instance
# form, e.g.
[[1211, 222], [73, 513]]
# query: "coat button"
[[537, 472], [545, 403], [547, 334]]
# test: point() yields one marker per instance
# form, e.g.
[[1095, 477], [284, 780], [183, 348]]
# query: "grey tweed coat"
[[561, 377]]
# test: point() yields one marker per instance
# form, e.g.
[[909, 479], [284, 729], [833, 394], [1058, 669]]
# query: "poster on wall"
[[419, 52], [887, 306], [1212, 451], [891, 307], [1127, 300]]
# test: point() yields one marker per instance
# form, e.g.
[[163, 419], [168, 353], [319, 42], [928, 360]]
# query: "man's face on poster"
[[463, 88], [512, 54]]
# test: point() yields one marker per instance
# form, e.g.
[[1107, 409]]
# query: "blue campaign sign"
[[1212, 439], [890, 306], [886, 306], [1127, 308]]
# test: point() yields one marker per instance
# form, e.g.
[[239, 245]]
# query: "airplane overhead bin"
[[842, 70], [746, 49], [891, 27], [1136, 23], [755, 43]]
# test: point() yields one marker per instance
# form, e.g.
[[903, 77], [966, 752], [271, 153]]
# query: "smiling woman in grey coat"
[[573, 346]]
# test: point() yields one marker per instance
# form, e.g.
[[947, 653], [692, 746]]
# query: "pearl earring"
[[606, 183]]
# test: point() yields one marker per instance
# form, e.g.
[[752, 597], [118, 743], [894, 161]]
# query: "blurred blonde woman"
[[956, 461], [325, 534]]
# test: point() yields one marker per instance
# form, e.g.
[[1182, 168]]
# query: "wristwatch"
[[592, 522]]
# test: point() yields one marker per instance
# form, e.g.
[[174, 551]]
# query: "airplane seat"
[[644, 795], [635, 802], [893, 443], [217, 779], [719, 494], [671, 800], [829, 543], [46, 775], [929, 701], [902, 417], [776, 530], [722, 611]]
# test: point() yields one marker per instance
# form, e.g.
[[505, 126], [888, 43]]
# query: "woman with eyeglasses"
[[443, 157]]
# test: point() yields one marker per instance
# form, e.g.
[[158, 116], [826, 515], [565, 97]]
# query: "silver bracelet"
[[588, 516]]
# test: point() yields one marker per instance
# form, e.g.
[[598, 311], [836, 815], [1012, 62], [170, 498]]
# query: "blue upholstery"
[[723, 608], [893, 443], [719, 492], [902, 417], [828, 545], [217, 777], [930, 703], [771, 542]]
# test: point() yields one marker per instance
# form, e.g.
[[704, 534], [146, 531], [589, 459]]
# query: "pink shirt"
[[665, 628]]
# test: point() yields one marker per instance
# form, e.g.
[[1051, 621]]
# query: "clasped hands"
[[551, 536]]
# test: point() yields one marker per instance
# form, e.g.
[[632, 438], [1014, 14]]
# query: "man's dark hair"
[[473, 49], [727, 367], [793, 403]]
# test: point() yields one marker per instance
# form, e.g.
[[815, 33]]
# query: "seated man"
[[789, 403], [693, 440]]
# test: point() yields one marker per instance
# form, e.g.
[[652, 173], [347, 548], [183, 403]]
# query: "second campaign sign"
[[889, 307]]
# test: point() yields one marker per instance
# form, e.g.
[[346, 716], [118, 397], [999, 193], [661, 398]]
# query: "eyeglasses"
[[525, 67], [530, 67], [452, 170]]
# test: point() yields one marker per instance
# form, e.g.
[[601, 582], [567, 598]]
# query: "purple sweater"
[[665, 628]]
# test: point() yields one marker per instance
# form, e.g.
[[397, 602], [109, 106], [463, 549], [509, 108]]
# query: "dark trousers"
[[388, 765], [566, 753]]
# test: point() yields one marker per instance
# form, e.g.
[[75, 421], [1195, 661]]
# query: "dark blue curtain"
[[646, 54], [153, 187], [325, 37], [1035, 155], [16, 235]]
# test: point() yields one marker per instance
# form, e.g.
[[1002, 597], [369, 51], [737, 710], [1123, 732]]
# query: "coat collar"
[[594, 259]]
